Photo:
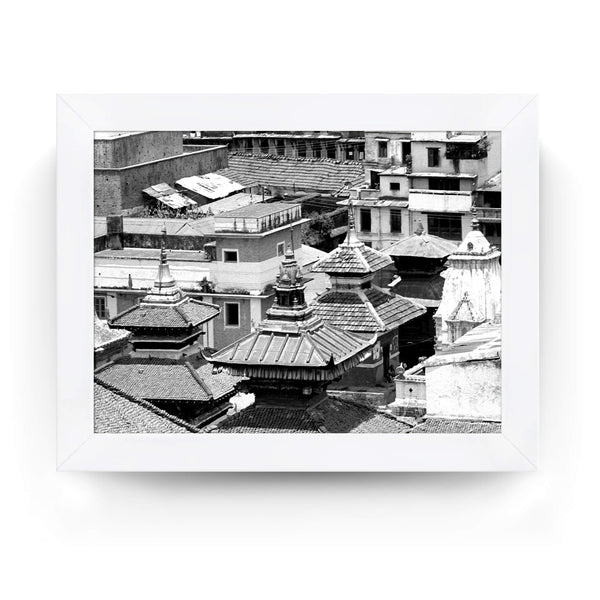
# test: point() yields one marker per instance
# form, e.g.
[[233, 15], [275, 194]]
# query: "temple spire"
[[165, 287], [351, 238]]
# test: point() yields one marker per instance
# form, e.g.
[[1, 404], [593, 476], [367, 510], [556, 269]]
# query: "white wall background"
[[92, 536]]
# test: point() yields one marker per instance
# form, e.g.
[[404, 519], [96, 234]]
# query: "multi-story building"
[[232, 263], [128, 162], [431, 177], [337, 145]]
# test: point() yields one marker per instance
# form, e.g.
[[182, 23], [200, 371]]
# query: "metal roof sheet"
[[211, 185]]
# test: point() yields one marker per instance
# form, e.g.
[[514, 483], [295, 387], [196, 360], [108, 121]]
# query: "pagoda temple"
[[356, 305], [472, 288], [294, 354], [167, 322]]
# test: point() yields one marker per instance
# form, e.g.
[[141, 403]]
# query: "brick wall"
[[118, 189], [137, 148]]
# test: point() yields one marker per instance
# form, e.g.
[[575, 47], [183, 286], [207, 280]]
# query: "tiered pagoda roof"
[[352, 257], [165, 311], [353, 303], [293, 342]]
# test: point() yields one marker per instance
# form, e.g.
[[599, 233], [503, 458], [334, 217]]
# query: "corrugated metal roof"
[[211, 185]]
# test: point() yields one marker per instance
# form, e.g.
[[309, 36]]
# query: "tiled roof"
[[330, 416], [352, 259], [268, 419], [105, 337], [306, 174], [189, 312], [422, 246], [365, 310], [435, 425], [115, 413], [157, 380], [283, 349], [220, 383], [343, 416]]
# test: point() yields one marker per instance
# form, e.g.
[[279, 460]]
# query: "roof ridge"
[[371, 309], [147, 405], [199, 379]]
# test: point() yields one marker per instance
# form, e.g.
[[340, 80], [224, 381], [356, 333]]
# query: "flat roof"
[[111, 135], [259, 209], [153, 254]]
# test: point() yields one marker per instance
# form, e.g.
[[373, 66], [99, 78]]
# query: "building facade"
[[430, 177], [233, 265], [126, 163]]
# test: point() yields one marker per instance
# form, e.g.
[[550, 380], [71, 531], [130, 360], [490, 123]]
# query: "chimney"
[[114, 232]]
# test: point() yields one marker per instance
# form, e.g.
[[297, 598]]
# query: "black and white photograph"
[[297, 282]]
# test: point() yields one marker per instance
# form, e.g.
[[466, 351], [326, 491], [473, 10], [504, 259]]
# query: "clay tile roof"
[[435, 425], [268, 419], [158, 380], [365, 310], [188, 313], [117, 413], [308, 174], [220, 383], [352, 259], [330, 416]]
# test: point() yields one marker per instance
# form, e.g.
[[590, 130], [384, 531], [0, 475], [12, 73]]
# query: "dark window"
[[232, 314], [395, 186], [349, 153], [317, 151], [405, 151], [433, 157], [330, 151], [249, 145], [302, 149], [374, 180], [264, 146], [382, 149], [100, 307], [280, 248], [280, 147], [365, 219], [230, 256], [448, 184], [395, 220], [448, 227]]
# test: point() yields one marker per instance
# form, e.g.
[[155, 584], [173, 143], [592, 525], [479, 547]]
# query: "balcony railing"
[[439, 201], [489, 214]]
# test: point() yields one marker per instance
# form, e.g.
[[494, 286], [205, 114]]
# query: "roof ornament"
[[475, 221], [351, 238]]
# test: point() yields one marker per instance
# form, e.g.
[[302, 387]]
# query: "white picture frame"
[[514, 449]]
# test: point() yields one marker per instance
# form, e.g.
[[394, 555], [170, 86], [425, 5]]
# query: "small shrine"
[[472, 288], [355, 304], [293, 354], [166, 322]]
